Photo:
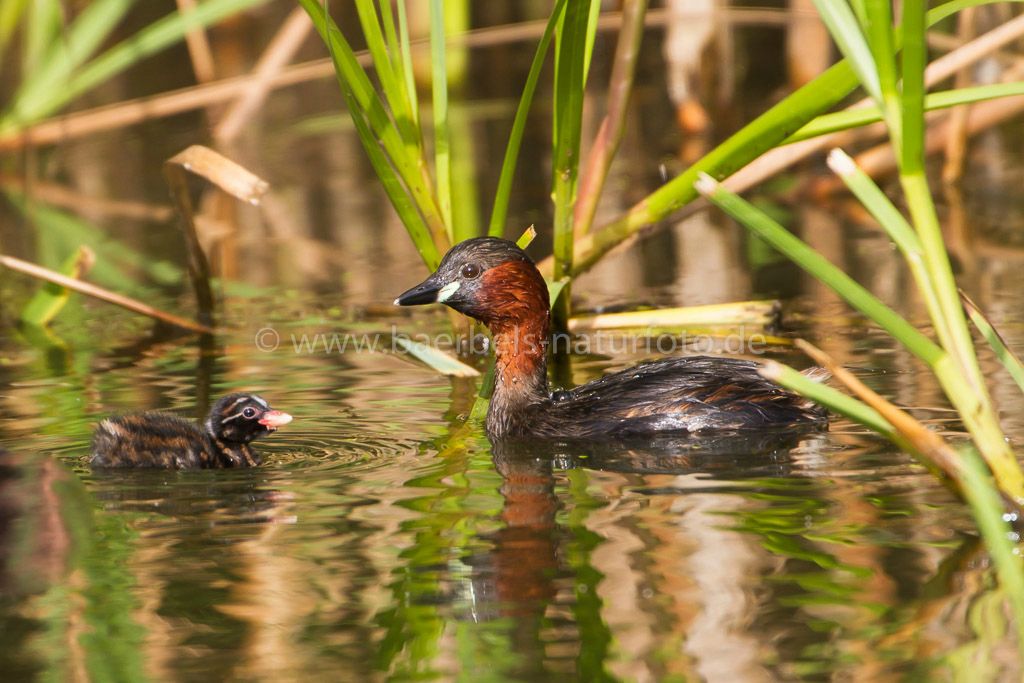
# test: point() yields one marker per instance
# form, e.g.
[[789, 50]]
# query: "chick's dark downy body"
[[159, 440], [494, 281]]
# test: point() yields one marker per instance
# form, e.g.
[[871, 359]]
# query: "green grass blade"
[[11, 12], [46, 98], [821, 268], [846, 31], [879, 34], [442, 139], [46, 303], [875, 201], [42, 26], [1010, 360], [435, 358], [392, 84], [508, 167], [555, 289], [595, 12], [407, 72], [750, 142], [855, 118]]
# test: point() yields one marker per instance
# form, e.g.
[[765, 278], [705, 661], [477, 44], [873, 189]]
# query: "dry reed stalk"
[[227, 175], [56, 194], [100, 293], [130, 112], [982, 116], [198, 46], [927, 443], [956, 143], [270, 64], [609, 135], [942, 68]]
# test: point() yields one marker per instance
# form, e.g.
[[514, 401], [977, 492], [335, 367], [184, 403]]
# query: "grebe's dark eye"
[[249, 413], [470, 271]]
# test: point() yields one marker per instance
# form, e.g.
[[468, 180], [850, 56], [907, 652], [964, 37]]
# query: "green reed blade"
[[79, 42], [408, 165], [947, 313], [880, 206], [11, 12], [435, 358], [821, 268], [846, 31], [442, 139], [855, 118], [508, 167], [750, 142], [391, 82], [392, 41], [833, 399], [1010, 360], [42, 25], [879, 29], [570, 83], [407, 72], [595, 12], [393, 186], [910, 140]]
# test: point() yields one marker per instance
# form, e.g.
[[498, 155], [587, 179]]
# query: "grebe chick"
[[160, 440], [495, 282]]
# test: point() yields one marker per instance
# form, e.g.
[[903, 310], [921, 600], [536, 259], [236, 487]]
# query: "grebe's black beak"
[[425, 292]]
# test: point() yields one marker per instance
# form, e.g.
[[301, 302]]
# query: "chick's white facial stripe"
[[446, 292], [232, 417]]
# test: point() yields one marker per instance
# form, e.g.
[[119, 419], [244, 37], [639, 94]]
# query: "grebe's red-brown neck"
[[515, 301], [495, 282]]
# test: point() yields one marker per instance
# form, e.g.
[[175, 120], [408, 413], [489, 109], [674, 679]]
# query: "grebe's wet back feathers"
[[495, 282]]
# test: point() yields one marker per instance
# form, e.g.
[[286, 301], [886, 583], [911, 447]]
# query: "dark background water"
[[382, 538]]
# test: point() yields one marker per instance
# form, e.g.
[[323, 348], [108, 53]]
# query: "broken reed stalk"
[[100, 293], [225, 174], [927, 443]]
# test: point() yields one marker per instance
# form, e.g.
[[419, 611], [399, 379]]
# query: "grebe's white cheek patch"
[[446, 292]]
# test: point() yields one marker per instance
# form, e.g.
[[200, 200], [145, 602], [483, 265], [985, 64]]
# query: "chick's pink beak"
[[275, 419]]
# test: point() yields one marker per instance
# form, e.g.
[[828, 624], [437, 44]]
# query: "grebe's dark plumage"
[[159, 440], [494, 281]]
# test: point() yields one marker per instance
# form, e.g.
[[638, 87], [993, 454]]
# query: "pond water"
[[384, 538]]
